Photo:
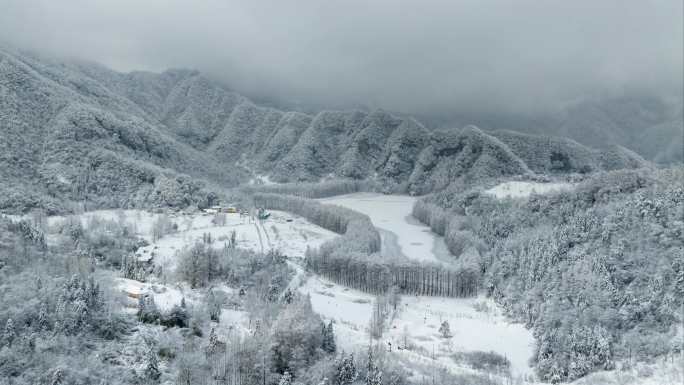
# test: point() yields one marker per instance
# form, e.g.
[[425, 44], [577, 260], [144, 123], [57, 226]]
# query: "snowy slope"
[[516, 189]]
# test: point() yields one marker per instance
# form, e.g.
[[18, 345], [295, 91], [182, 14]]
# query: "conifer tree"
[[346, 372], [214, 306], [445, 330], [329, 338], [9, 333], [373, 373], [214, 343], [57, 377], [152, 365], [43, 323], [285, 379]]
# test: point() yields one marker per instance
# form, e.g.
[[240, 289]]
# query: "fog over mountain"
[[431, 58]]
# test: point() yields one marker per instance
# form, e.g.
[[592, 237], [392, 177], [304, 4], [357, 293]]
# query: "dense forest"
[[595, 271]]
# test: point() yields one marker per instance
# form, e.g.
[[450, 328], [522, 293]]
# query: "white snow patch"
[[392, 213], [665, 371], [291, 234], [139, 221], [349, 310], [165, 296], [421, 317], [62, 179], [471, 329], [515, 189], [264, 180]]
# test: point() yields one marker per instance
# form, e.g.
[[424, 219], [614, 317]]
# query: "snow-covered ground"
[[418, 317], [515, 189], [165, 296], [262, 180], [291, 234], [138, 220], [664, 371], [168, 296], [393, 213], [349, 309], [476, 324]]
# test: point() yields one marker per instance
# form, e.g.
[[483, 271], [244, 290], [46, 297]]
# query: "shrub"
[[484, 361]]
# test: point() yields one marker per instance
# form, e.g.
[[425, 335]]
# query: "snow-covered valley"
[[476, 323], [411, 334]]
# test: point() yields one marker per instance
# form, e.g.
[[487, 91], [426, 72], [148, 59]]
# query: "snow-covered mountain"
[[77, 131], [651, 125]]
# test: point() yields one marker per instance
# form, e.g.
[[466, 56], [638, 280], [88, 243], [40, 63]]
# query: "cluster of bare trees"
[[315, 190], [409, 278], [348, 260], [358, 233]]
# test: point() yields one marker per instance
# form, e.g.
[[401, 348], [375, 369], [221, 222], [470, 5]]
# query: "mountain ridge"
[[61, 117]]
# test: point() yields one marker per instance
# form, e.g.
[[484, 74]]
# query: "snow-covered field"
[[393, 213], [138, 220], [516, 189], [476, 324], [291, 234], [288, 233]]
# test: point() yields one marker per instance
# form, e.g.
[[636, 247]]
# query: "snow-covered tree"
[[445, 330], [9, 333], [329, 344], [214, 306], [151, 370], [373, 372], [57, 377], [288, 296], [214, 345], [346, 372], [147, 309], [285, 379]]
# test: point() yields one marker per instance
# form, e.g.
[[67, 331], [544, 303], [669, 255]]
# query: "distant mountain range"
[[75, 131], [649, 124]]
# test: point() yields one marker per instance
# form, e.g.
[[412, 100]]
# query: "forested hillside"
[[79, 132], [651, 125], [596, 271], [67, 137]]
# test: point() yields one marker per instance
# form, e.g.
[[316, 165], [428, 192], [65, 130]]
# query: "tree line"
[[596, 271], [358, 233], [350, 259], [314, 190], [362, 273]]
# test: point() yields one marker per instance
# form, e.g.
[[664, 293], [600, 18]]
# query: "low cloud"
[[408, 56]]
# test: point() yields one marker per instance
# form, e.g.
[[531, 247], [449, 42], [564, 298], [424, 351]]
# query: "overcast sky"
[[408, 56]]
